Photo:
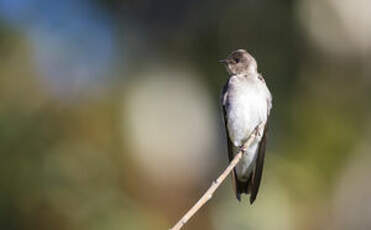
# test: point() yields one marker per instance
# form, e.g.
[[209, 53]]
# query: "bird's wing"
[[224, 102], [258, 171], [224, 107]]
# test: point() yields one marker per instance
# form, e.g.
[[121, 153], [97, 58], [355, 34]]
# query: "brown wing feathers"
[[258, 171]]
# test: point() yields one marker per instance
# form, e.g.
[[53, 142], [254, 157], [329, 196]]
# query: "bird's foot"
[[243, 149], [259, 130]]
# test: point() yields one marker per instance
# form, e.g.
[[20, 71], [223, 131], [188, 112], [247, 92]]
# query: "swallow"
[[246, 103]]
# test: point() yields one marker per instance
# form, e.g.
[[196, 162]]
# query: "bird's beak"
[[223, 61]]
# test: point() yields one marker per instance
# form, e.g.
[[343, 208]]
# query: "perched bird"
[[246, 103]]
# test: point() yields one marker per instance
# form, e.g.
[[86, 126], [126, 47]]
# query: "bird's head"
[[240, 62]]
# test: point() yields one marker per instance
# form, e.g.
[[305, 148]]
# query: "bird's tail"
[[242, 187]]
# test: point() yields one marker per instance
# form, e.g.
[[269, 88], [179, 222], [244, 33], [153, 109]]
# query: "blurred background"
[[110, 118]]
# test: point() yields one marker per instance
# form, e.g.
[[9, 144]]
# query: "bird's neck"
[[247, 74], [251, 70]]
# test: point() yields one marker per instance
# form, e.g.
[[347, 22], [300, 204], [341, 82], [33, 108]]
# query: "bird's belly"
[[245, 113], [247, 162]]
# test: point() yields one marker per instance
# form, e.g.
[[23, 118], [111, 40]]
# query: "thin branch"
[[209, 193]]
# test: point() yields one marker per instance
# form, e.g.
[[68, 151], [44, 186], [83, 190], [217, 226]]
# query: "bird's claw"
[[243, 149], [258, 130]]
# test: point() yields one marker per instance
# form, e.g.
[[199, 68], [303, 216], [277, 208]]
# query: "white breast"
[[246, 107]]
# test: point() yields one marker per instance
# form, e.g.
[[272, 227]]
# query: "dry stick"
[[209, 193]]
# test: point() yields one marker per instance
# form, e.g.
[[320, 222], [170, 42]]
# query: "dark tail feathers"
[[243, 187]]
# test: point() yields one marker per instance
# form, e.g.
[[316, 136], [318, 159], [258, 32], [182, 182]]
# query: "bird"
[[246, 103]]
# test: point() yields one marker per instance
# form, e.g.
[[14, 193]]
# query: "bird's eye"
[[237, 60]]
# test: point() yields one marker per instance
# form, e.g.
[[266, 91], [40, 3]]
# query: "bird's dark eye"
[[237, 60]]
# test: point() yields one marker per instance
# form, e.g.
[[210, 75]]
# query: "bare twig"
[[209, 193]]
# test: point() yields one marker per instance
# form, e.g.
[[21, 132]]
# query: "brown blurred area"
[[110, 119]]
